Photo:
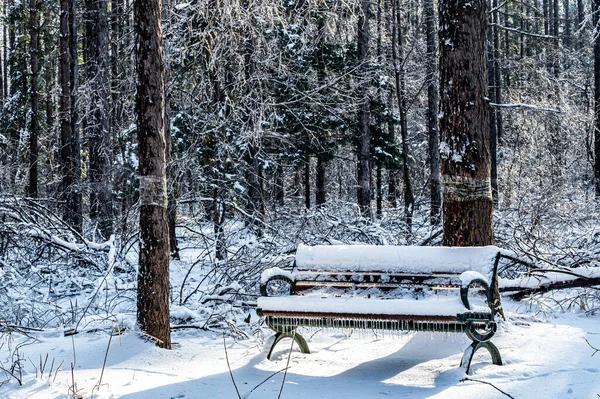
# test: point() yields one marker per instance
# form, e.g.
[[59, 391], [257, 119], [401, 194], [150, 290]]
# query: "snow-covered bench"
[[385, 288]]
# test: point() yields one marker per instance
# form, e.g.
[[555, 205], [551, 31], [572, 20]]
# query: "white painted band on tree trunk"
[[466, 188], [153, 191]]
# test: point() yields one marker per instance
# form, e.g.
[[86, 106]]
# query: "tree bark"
[[307, 183], [153, 275], [364, 134], [433, 130], [597, 102], [320, 193], [172, 183], [70, 145], [398, 54], [100, 149], [35, 123], [465, 141]]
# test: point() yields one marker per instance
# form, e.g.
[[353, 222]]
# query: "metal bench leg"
[[470, 351], [299, 339]]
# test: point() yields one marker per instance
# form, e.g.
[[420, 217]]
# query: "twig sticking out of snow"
[[287, 365], [229, 367], [596, 350], [488, 383], [265, 380]]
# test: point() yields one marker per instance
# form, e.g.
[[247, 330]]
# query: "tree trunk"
[[496, 95], [35, 123], [433, 131], [307, 183], [398, 55], [153, 275], [392, 175], [465, 141], [597, 101], [320, 193], [100, 148], [279, 185], [70, 146], [364, 135], [172, 184]]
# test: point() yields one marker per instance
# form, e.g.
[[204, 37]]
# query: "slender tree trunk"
[[307, 183], [555, 29], [398, 54], [322, 156], [5, 52], [153, 275], [567, 35], [596, 5], [70, 146], [100, 148], [35, 123], [464, 125], [496, 94], [392, 175], [279, 185], [172, 184], [433, 130], [364, 135], [320, 193]]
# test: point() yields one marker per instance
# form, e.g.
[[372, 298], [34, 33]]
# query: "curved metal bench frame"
[[480, 327]]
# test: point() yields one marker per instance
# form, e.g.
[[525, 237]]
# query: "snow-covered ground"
[[543, 359]]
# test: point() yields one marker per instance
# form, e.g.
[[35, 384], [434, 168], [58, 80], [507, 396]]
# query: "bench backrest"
[[387, 267]]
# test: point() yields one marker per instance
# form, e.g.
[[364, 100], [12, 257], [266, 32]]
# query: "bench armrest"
[[476, 279], [276, 274]]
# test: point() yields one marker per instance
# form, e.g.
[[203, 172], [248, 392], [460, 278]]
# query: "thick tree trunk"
[[465, 141], [597, 101], [35, 122], [153, 275], [364, 135], [433, 131], [100, 148]]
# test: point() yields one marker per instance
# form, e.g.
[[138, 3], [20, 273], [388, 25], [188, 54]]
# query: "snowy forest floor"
[[543, 359]]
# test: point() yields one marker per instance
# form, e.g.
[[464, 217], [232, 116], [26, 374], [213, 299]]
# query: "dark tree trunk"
[[153, 275], [555, 29], [5, 53], [172, 184], [433, 131], [496, 95], [100, 149], [597, 102], [35, 123], [545, 6], [307, 183], [279, 185], [364, 134], [379, 197], [322, 155], [392, 173], [320, 193], [464, 125], [398, 55], [69, 146], [567, 35]]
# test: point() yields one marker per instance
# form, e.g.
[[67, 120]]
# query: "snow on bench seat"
[[389, 259], [434, 306]]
